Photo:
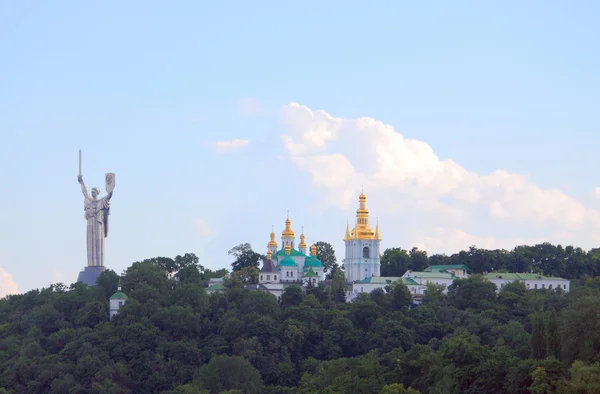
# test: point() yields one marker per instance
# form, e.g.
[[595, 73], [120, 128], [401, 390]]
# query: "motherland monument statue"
[[96, 215]]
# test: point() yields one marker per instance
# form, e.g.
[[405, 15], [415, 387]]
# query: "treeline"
[[551, 260], [172, 337]]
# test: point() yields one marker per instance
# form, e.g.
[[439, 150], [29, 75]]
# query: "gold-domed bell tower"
[[272, 245], [362, 246], [288, 238]]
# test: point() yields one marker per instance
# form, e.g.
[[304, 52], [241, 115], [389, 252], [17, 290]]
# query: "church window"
[[120, 304], [536, 285], [543, 285], [274, 277], [292, 273], [550, 287], [261, 277], [564, 286], [287, 273], [268, 277], [366, 252]]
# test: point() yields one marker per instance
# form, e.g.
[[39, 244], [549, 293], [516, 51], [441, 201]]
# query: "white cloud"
[[249, 106], [597, 192], [441, 197], [203, 227], [230, 145], [7, 284]]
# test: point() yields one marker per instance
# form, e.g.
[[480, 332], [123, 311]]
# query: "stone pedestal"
[[89, 275]]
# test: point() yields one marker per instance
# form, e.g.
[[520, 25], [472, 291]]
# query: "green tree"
[[394, 262], [400, 295], [338, 286], [245, 257], [538, 336], [554, 344], [225, 373], [326, 255]]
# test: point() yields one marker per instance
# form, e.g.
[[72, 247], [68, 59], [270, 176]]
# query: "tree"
[[245, 257], [554, 344], [326, 255], [225, 373], [400, 295], [338, 286], [418, 259], [538, 337], [245, 276], [394, 262]]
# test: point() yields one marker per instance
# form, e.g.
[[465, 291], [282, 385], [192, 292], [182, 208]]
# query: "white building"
[[532, 281], [443, 275], [269, 278], [362, 257], [116, 301]]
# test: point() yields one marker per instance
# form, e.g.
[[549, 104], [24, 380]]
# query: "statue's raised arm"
[[83, 188]]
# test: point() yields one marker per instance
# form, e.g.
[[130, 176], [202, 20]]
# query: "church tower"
[[362, 246], [272, 245], [288, 237]]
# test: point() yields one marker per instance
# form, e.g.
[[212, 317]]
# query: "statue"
[[97, 211]]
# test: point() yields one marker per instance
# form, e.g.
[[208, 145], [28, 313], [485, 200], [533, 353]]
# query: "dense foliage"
[[552, 260], [172, 337]]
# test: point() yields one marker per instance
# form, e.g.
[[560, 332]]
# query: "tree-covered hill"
[[172, 337]]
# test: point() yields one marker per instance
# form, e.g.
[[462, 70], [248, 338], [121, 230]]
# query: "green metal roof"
[[293, 252], [311, 273], [442, 268], [287, 261], [118, 296], [437, 275], [314, 261], [409, 282], [519, 276]]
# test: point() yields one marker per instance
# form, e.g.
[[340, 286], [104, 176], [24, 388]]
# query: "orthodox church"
[[362, 246], [291, 262]]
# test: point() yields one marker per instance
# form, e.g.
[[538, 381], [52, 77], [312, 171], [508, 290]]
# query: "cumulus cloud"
[[203, 227], [7, 284], [230, 145], [409, 178], [249, 106]]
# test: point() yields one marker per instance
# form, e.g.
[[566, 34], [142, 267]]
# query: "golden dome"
[[362, 229], [302, 243], [272, 241], [287, 249], [313, 250], [288, 232]]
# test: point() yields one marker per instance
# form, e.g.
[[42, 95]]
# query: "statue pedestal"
[[89, 275]]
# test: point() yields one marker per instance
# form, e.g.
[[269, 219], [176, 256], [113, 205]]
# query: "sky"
[[466, 123]]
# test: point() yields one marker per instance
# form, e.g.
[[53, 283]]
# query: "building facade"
[[531, 281], [363, 246]]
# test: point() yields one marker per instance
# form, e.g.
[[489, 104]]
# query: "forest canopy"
[[173, 337]]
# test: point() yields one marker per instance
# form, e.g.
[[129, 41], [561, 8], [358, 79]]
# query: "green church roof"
[[311, 273], [287, 262], [314, 261], [118, 296], [293, 252]]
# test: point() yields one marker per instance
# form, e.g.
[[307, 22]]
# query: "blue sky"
[[146, 88]]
